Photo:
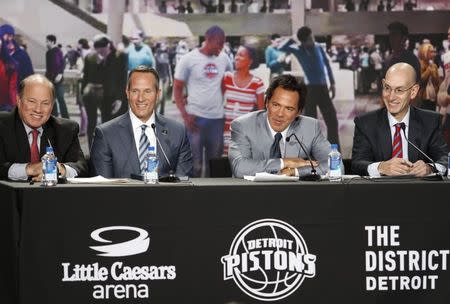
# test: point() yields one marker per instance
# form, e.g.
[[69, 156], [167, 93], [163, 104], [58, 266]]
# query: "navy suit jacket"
[[62, 134], [114, 154], [372, 141]]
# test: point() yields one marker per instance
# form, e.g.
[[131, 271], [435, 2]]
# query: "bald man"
[[379, 143], [30, 127]]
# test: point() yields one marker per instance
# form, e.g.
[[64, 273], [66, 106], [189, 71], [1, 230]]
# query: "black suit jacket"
[[372, 141], [62, 134]]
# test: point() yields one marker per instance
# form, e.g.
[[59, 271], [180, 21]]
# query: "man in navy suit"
[[379, 143], [119, 145]]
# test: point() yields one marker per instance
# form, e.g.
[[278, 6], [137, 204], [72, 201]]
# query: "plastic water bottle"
[[334, 164], [448, 169], [151, 166], [49, 168]]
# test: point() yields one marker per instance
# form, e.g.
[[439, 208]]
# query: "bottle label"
[[335, 163], [51, 170], [152, 165]]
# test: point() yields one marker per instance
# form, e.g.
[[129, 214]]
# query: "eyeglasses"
[[397, 91]]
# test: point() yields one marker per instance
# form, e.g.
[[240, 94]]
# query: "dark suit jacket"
[[62, 133], [114, 154], [372, 141]]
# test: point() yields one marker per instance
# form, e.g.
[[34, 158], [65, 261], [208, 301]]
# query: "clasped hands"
[[34, 171], [291, 163], [399, 166]]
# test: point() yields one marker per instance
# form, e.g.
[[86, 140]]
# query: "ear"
[[414, 91]]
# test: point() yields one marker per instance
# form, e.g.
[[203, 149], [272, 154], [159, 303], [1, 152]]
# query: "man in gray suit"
[[119, 146], [259, 139]]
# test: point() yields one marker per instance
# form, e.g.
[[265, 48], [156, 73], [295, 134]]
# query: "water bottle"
[[334, 164], [151, 166], [448, 165], [49, 168]]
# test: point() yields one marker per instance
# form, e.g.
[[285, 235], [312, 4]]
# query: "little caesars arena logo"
[[119, 280], [268, 260]]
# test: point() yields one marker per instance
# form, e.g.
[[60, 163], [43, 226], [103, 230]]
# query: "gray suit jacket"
[[251, 140], [114, 154]]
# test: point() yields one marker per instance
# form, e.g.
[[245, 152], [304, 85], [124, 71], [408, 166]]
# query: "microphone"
[[171, 178], [434, 169], [310, 177]]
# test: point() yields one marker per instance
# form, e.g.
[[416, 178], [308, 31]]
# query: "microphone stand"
[[438, 175], [171, 178], [313, 177]]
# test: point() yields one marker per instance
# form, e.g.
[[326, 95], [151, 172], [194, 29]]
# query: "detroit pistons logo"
[[211, 70], [268, 260]]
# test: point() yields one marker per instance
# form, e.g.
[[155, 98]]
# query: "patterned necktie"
[[397, 149], [275, 151], [34, 150], [143, 146]]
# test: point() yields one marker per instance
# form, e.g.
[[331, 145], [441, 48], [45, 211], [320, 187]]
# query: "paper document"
[[97, 180], [267, 177]]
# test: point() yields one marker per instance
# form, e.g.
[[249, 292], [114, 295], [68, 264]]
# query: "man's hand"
[[287, 172], [395, 166], [34, 171], [189, 122], [58, 78], [420, 169], [61, 169], [333, 91], [297, 163]]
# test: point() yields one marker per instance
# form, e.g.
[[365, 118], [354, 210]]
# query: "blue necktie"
[[143, 146]]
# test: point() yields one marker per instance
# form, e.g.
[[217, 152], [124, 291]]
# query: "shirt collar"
[[28, 129], [136, 123], [393, 121]]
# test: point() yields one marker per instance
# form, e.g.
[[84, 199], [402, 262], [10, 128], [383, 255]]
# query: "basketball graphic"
[[268, 260]]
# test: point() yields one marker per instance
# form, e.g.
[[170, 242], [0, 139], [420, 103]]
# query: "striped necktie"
[[397, 149], [143, 146]]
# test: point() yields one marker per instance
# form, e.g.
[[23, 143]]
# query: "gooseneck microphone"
[[171, 178], [310, 177], [433, 164]]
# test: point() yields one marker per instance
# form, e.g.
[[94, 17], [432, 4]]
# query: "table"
[[224, 240]]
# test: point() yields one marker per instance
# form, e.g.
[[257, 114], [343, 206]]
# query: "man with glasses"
[[30, 127], [379, 143], [120, 145]]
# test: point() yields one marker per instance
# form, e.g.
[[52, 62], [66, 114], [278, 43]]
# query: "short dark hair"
[[275, 36], [253, 56], [144, 69], [100, 41], [214, 31], [84, 43], [303, 33], [289, 83], [398, 27], [36, 78], [51, 38]]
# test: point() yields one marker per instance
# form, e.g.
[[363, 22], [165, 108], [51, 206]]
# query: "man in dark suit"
[[258, 139], [379, 143], [26, 131], [119, 146]]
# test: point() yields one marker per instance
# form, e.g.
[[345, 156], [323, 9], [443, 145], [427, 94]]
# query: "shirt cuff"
[[70, 172], [281, 164], [440, 168], [18, 172], [372, 169]]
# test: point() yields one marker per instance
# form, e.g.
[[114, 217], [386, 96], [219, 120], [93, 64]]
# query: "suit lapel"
[[384, 135], [126, 136], [163, 134], [414, 135], [266, 140], [48, 135], [292, 148], [23, 144]]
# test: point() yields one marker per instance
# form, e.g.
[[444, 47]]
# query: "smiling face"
[[242, 59], [142, 94], [36, 104], [282, 108], [399, 89]]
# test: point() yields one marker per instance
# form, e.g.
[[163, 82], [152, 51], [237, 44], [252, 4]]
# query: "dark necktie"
[[397, 149], [34, 151], [275, 151]]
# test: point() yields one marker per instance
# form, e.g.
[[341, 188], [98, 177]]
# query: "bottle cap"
[[151, 149], [334, 146], [49, 149]]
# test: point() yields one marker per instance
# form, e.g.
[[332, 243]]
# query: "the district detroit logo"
[[268, 260]]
